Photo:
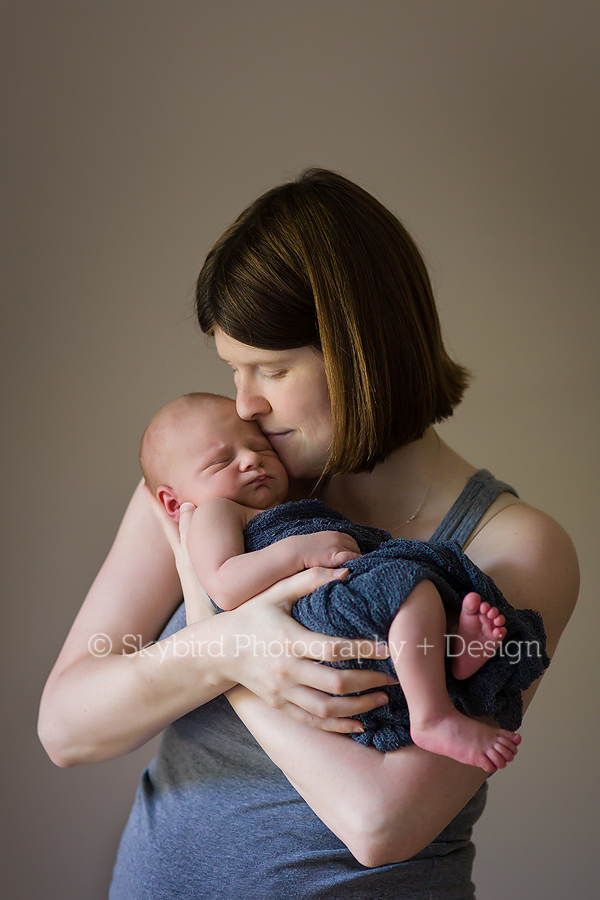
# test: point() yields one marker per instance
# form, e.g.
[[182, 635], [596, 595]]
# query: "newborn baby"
[[241, 540]]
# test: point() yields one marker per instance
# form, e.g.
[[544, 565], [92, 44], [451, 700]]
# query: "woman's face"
[[286, 392]]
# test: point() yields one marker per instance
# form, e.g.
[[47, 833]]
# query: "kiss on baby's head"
[[197, 447]]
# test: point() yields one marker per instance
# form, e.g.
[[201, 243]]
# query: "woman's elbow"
[[379, 842], [65, 754], [49, 739], [61, 747], [375, 852], [62, 761]]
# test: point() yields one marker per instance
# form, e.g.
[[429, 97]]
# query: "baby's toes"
[[509, 739], [471, 603], [508, 751], [485, 762], [506, 754], [496, 758]]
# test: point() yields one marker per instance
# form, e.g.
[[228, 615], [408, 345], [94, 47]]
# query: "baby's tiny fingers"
[[344, 556]]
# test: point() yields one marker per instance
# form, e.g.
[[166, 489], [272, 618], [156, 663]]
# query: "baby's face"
[[217, 454]]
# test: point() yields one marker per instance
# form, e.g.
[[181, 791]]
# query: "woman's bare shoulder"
[[532, 560]]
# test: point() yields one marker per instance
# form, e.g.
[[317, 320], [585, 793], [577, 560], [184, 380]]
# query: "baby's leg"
[[479, 633], [416, 642]]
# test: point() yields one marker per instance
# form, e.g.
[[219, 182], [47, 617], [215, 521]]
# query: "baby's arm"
[[230, 577]]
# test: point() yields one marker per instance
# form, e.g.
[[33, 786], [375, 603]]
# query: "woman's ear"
[[167, 498]]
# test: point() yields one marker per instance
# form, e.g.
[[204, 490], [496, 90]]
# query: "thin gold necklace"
[[427, 489]]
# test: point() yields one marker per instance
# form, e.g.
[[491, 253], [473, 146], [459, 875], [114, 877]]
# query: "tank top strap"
[[477, 496]]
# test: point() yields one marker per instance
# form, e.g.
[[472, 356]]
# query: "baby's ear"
[[167, 498]]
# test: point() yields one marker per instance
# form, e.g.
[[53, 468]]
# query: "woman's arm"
[[109, 693], [106, 695], [387, 807]]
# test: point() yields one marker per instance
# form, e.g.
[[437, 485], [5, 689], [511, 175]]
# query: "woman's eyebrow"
[[255, 360]]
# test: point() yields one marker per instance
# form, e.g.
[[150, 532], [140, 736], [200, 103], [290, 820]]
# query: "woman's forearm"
[[384, 806], [97, 706], [103, 707]]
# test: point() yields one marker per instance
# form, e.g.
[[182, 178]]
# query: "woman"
[[320, 302]]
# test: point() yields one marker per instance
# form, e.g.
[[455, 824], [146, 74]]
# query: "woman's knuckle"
[[284, 673], [314, 577], [321, 708], [337, 683]]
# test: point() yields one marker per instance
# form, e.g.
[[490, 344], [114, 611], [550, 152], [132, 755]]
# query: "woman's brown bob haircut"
[[319, 262]]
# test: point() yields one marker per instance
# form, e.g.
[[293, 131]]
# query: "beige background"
[[134, 132]]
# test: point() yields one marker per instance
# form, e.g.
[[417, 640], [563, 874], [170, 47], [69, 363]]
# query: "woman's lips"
[[276, 436]]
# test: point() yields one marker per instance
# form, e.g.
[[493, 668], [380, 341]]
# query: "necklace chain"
[[427, 489]]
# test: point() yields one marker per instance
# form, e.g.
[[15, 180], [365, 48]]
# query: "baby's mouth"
[[260, 479]]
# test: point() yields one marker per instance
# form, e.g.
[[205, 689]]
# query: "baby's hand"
[[330, 549]]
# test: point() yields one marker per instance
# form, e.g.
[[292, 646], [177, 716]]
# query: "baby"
[[197, 449]]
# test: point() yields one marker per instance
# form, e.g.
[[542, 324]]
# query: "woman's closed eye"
[[275, 374]]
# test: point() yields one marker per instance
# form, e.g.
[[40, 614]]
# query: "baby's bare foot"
[[479, 634], [468, 741]]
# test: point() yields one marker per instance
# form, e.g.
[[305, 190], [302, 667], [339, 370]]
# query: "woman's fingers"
[[323, 647], [168, 525], [338, 682], [329, 713], [309, 645], [197, 603], [338, 649], [324, 706], [341, 726], [286, 592], [176, 534], [186, 512], [279, 660]]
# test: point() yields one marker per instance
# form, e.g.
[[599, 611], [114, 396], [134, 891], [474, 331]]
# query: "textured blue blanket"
[[365, 602]]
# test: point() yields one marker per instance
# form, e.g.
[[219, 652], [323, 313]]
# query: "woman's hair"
[[319, 262]]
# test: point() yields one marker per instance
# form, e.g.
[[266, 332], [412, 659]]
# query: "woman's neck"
[[408, 494]]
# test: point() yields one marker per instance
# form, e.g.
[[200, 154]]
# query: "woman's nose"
[[250, 404]]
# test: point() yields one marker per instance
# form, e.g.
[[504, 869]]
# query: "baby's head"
[[197, 447]]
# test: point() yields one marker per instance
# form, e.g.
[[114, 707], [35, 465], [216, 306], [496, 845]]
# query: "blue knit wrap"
[[363, 605]]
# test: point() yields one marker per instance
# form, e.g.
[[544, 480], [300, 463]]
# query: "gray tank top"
[[214, 818]]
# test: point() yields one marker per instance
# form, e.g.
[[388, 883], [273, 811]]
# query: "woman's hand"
[[272, 654], [197, 602], [275, 657]]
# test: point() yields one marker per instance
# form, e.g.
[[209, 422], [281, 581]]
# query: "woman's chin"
[[297, 458], [302, 470]]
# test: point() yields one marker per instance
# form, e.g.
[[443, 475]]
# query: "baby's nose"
[[250, 460]]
